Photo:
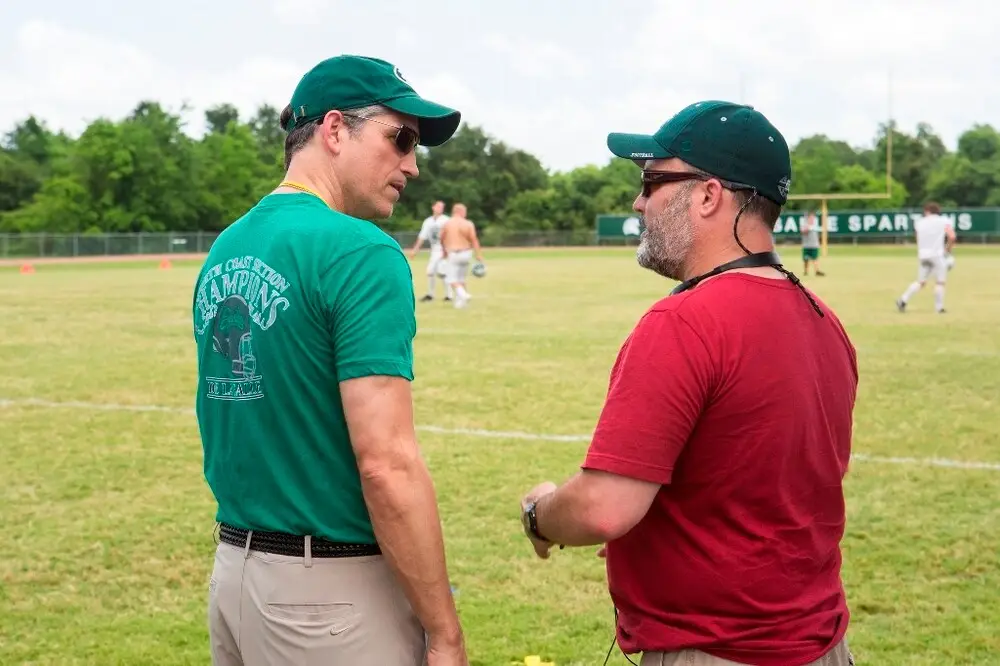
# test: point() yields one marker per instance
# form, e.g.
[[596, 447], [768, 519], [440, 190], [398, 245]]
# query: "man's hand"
[[446, 653], [542, 548], [538, 491]]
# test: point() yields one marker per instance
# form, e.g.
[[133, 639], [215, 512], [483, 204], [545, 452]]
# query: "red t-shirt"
[[737, 397]]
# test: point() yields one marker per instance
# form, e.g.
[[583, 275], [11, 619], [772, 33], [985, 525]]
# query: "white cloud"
[[248, 84], [446, 89], [544, 80], [825, 67], [300, 12], [406, 38], [536, 59], [69, 78]]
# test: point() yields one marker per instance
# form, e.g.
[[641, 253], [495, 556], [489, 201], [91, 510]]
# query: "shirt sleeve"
[[659, 386], [371, 313], [425, 230]]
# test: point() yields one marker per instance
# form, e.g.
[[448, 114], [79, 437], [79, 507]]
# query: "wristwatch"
[[530, 521]]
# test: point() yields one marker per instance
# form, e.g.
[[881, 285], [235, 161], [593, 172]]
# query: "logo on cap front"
[[399, 75]]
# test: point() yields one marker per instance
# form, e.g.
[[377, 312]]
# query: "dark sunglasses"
[[652, 177], [406, 139]]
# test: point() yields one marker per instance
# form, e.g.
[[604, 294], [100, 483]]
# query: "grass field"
[[107, 522]]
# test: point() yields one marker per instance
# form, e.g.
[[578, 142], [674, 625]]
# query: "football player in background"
[[935, 240], [460, 242], [430, 232]]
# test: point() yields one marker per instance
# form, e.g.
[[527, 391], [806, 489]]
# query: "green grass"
[[107, 521]]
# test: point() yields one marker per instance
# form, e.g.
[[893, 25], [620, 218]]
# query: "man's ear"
[[711, 199], [333, 131]]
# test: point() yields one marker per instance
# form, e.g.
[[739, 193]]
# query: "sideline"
[[475, 432]]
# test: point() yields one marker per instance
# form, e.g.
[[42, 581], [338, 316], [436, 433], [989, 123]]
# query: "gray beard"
[[664, 244]]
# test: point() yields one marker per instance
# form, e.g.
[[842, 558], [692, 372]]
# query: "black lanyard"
[[757, 260]]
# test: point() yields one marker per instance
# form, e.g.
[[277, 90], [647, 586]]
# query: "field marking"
[[934, 462], [478, 432], [504, 434], [485, 333]]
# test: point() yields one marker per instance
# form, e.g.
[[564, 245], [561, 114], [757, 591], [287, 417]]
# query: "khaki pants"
[[838, 656], [270, 610]]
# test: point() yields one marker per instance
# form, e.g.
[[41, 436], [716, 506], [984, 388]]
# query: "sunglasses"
[[651, 177], [405, 138]]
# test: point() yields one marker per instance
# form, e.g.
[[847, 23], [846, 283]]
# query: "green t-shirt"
[[293, 299]]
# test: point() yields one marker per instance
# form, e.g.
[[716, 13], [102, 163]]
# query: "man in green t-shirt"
[[810, 244], [331, 547]]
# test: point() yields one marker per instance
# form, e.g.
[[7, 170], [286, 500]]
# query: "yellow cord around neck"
[[301, 187]]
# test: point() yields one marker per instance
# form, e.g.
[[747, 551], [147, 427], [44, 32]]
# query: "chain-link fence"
[[15, 246], [28, 246], [92, 245]]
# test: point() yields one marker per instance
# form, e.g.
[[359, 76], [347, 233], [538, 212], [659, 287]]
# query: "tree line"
[[144, 173]]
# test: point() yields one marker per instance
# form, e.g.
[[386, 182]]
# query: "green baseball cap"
[[350, 82], [734, 142]]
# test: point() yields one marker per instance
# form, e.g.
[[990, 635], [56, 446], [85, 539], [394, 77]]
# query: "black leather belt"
[[279, 543]]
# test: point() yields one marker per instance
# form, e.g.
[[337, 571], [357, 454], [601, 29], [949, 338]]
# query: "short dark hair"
[[932, 207], [762, 207], [300, 136]]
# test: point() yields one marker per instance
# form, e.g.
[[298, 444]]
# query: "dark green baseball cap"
[[350, 81], [733, 142]]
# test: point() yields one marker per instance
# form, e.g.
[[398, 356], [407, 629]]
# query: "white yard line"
[[933, 462], [502, 434], [482, 333], [477, 432]]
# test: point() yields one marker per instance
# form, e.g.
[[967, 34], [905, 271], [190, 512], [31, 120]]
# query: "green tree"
[[32, 140], [981, 143], [63, 205], [913, 159], [144, 173], [230, 176], [219, 118], [856, 179], [958, 181], [270, 137], [472, 168], [20, 180]]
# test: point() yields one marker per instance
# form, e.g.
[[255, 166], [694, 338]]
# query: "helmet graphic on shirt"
[[232, 336]]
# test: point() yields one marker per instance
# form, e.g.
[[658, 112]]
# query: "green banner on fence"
[[618, 226], [842, 223]]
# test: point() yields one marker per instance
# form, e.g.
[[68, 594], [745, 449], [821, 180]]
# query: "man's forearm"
[[565, 518], [405, 518]]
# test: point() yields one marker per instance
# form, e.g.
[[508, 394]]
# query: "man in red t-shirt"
[[715, 474]]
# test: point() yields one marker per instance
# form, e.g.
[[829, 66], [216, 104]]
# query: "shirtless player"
[[459, 241]]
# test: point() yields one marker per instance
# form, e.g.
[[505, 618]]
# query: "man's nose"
[[409, 165], [639, 205]]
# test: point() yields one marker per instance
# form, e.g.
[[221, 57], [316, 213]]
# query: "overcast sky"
[[550, 77]]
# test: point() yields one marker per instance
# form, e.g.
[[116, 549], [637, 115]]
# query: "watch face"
[[527, 518]]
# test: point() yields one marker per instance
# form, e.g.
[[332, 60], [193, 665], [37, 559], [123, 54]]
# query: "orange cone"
[[27, 269], [164, 264]]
